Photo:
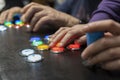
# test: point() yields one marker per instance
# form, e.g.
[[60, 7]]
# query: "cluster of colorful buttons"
[[56, 49], [38, 43], [16, 22], [30, 53]]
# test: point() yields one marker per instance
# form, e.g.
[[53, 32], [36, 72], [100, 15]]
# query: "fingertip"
[[60, 44], [34, 29], [51, 45], [83, 56], [23, 19]]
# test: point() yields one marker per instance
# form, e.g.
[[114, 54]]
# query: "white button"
[[34, 58], [2, 28], [27, 52]]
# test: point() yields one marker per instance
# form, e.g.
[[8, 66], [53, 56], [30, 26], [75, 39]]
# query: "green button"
[[37, 43]]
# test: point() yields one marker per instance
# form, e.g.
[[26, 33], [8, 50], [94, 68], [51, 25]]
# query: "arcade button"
[[35, 38], [57, 50], [19, 22], [8, 24], [43, 47], [17, 26], [34, 58], [27, 52], [36, 43], [16, 16], [27, 25], [74, 46], [47, 37], [2, 28]]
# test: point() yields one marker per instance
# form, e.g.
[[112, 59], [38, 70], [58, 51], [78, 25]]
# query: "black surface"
[[66, 66]]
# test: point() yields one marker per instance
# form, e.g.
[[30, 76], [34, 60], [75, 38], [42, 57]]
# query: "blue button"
[[32, 39]]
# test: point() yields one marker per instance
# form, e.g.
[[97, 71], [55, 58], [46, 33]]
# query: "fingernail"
[[87, 63], [60, 44]]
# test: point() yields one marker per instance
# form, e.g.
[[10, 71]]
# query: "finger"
[[108, 34], [3, 16], [24, 10], [100, 45], [59, 37], [105, 25], [82, 40], [105, 56], [36, 18], [70, 36], [30, 13], [12, 11], [58, 32], [112, 65], [41, 22]]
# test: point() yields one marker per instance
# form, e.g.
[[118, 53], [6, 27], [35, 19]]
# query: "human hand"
[[67, 34], [8, 14], [105, 51], [38, 15]]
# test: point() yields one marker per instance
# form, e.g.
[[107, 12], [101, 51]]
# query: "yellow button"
[[43, 47]]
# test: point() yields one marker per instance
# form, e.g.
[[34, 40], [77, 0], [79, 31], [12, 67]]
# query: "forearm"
[[108, 9]]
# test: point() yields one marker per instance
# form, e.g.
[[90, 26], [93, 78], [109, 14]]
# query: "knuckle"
[[111, 53], [36, 15], [50, 14], [62, 28], [104, 42], [32, 3], [111, 23], [71, 32], [33, 8]]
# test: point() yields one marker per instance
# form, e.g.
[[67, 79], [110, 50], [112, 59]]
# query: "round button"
[[37, 43], [57, 49], [47, 37], [2, 28], [43, 47], [34, 58], [27, 52], [74, 46], [8, 24], [35, 39]]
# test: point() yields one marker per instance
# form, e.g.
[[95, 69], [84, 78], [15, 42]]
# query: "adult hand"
[[38, 15], [105, 51], [67, 34], [8, 14]]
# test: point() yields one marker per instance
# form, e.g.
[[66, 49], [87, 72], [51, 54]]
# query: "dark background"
[[65, 66]]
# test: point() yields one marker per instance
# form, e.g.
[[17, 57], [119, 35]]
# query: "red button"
[[57, 49], [74, 46]]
